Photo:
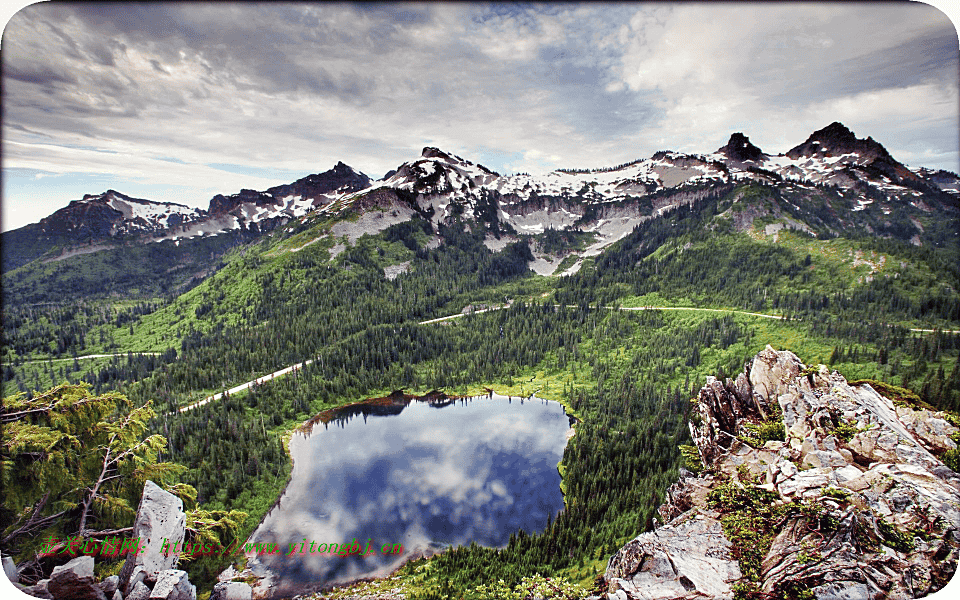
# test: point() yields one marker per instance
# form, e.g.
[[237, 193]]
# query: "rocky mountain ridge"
[[855, 182], [812, 487]]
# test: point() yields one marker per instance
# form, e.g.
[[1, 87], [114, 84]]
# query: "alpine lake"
[[379, 482]]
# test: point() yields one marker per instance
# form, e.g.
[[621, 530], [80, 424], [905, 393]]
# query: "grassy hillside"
[[355, 308]]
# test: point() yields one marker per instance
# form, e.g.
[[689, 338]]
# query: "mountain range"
[[831, 182], [239, 322]]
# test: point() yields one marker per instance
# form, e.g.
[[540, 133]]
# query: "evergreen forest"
[[624, 344]]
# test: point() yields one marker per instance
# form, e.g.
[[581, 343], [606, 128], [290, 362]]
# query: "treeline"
[[310, 305], [56, 330], [137, 270], [617, 466], [715, 268]]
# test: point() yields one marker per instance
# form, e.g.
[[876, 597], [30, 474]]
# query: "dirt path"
[[246, 386], [291, 369], [121, 354]]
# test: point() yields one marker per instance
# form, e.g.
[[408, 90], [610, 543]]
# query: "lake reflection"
[[427, 477]]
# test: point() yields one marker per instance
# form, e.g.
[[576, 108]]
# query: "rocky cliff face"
[[811, 488]]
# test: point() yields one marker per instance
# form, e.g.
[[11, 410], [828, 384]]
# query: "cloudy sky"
[[178, 102]]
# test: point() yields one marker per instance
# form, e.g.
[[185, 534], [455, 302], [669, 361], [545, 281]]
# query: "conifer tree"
[[74, 464]]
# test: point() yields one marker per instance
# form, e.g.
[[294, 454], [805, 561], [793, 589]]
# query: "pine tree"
[[74, 464]]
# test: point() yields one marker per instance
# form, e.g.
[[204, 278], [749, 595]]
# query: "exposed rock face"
[[740, 148], [140, 591], [160, 520], [868, 510], [75, 580], [689, 558], [109, 585]]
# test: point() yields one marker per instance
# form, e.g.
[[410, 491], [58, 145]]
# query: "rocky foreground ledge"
[[810, 487]]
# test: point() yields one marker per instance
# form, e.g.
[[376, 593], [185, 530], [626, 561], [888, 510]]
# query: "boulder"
[[231, 590], [75, 580], [686, 558], [109, 585], [772, 372], [140, 591], [160, 523], [173, 584]]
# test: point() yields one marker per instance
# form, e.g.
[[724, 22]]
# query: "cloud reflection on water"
[[477, 470]]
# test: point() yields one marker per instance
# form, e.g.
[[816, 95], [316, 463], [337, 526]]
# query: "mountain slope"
[[836, 171], [112, 219]]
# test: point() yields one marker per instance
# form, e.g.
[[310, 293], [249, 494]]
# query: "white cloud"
[[300, 87]]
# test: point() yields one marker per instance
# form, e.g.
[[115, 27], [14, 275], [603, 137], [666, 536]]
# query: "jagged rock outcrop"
[[741, 149], [811, 485], [689, 558], [173, 584]]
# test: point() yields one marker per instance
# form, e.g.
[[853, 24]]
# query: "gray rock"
[[110, 584], [10, 569], [117, 595], [140, 591], [139, 575], [39, 590], [843, 590], [160, 523], [173, 584], [847, 473], [231, 590], [75, 580], [687, 557]]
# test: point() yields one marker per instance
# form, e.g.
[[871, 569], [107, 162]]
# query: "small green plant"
[[691, 458], [837, 493], [899, 540], [749, 522], [747, 590], [817, 517], [951, 458], [952, 418], [795, 590], [770, 429], [808, 553], [845, 431]]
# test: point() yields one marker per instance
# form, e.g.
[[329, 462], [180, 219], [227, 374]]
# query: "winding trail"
[[121, 354], [721, 310], [246, 386], [291, 369]]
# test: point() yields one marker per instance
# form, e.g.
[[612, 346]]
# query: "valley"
[[650, 277]]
